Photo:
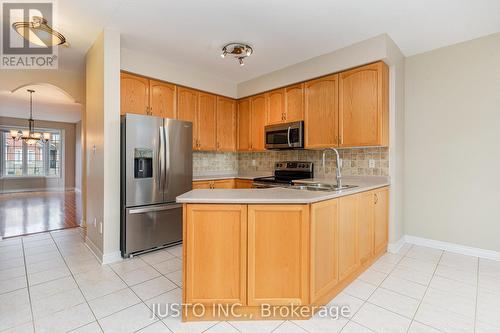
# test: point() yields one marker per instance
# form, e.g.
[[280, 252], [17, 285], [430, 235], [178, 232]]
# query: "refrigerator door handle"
[[161, 159], [154, 209], [166, 152]]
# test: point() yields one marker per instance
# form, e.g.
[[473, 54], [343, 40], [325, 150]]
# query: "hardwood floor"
[[33, 212]]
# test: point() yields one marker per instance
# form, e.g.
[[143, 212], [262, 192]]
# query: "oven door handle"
[[288, 136]]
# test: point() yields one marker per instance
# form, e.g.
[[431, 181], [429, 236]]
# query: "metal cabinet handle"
[[376, 198]]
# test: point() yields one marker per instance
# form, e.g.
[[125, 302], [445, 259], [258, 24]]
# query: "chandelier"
[[30, 136]]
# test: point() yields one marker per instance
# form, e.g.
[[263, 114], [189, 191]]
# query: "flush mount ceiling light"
[[238, 51], [39, 32]]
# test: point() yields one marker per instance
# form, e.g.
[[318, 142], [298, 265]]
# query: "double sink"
[[320, 187]]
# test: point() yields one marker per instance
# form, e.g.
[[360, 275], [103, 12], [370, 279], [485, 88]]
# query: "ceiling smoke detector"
[[238, 51]]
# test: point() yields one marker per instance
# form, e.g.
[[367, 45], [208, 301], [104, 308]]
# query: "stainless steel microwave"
[[285, 136]]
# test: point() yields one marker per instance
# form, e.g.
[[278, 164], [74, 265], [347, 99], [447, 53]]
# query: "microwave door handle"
[[288, 136]]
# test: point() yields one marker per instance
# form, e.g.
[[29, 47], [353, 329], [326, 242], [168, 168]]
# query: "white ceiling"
[[49, 103], [283, 32]]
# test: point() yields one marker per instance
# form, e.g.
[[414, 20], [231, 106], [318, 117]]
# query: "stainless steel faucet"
[[338, 174]]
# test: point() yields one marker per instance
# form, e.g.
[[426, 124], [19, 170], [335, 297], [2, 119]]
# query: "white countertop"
[[282, 195], [244, 175]]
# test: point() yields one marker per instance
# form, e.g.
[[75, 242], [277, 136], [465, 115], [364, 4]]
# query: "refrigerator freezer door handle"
[[166, 152], [161, 159], [154, 209]]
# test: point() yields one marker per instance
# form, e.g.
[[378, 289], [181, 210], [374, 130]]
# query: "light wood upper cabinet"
[[187, 109], [243, 125], [294, 103], [216, 245], [257, 122], [207, 121], [324, 247], [366, 215], [321, 112], [381, 219], [363, 106], [134, 94], [162, 99], [348, 240], [275, 106], [226, 124], [278, 251]]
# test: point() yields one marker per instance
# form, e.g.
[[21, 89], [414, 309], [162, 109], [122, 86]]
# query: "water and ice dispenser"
[[143, 163]]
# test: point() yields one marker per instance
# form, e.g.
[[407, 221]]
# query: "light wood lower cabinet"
[[348, 240], [243, 183], [212, 184], [280, 254], [216, 269], [366, 216], [324, 247], [381, 219], [278, 249]]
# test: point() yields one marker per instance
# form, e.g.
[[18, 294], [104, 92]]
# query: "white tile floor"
[[52, 283]]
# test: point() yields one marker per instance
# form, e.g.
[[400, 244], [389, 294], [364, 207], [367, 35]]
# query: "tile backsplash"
[[355, 161]]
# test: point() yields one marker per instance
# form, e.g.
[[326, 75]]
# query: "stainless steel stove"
[[285, 173]]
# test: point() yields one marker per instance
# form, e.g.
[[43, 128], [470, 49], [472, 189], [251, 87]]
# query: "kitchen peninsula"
[[278, 246]]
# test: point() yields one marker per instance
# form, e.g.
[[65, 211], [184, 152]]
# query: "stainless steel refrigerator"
[[156, 167]]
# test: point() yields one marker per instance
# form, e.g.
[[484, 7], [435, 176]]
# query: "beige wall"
[[452, 137], [67, 179], [102, 126], [78, 156]]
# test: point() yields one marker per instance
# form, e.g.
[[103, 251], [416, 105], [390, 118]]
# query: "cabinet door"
[[294, 103], [243, 125], [278, 251], [366, 216], [257, 122], [276, 106], [324, 247], [162, 99], [226, 124], [381, 222], [134, 94], [187, 106], [321, 112], [363, 106], [226, 183], [215, 237], [348, 248], [207, 118], [201, 185], [243, 183]]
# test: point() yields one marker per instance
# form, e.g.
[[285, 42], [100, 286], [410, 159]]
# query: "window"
[[39, 159]]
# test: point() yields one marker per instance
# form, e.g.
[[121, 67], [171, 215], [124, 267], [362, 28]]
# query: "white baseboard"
[[452, 247], [112, 257], [395, 247], [104, 259]]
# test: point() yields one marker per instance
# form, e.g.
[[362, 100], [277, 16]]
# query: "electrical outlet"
[[100, 228], [95, 222], [254, 162], [371, 163], [341, 161]]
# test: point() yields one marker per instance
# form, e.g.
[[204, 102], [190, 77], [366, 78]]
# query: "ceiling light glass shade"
[[26, 133], [39, 32], [31, 141], [37, 135], [14, 133], [46, 136]]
